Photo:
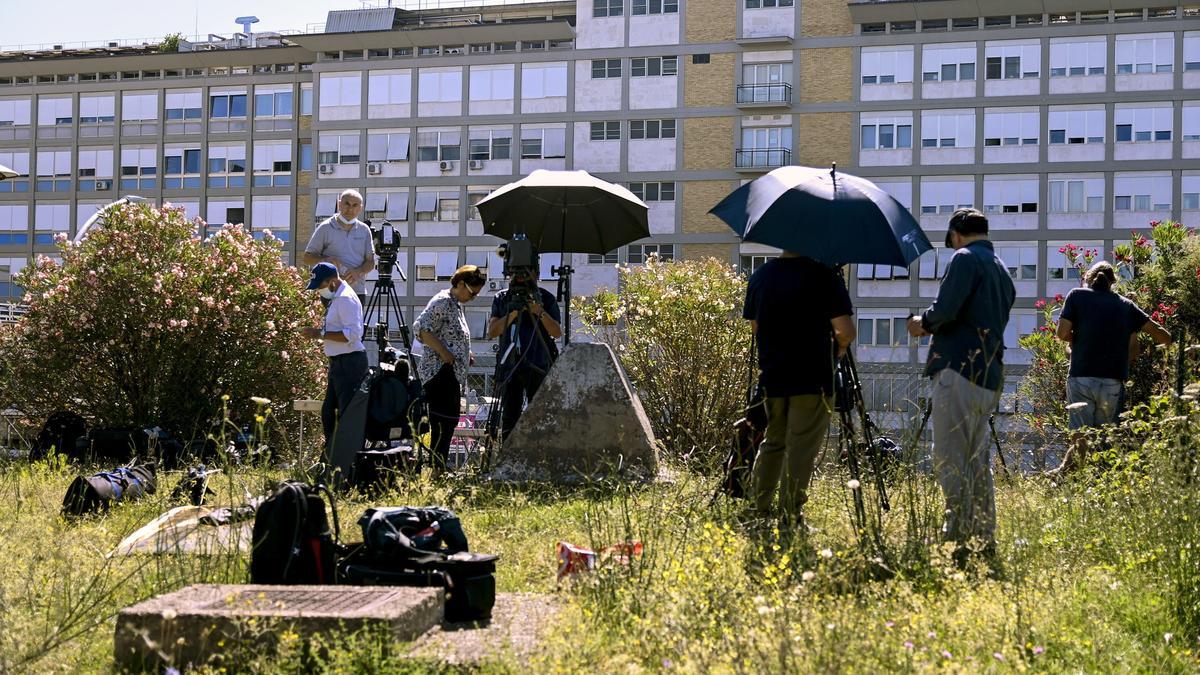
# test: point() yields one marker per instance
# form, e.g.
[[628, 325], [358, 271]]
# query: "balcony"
[[761, 159], [764, 95]]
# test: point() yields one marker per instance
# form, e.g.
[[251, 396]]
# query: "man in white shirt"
[[342, 334], [346, 242]]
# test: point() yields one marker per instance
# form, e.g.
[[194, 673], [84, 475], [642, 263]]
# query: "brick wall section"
[[712, 20], [708, 85], [825, 138], [722, 252], [697, 197], [304, 212], [825, 75], [824, 18], [708, 143], [306, 122]]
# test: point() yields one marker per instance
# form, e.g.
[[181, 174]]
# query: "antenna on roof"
[[246, 22]]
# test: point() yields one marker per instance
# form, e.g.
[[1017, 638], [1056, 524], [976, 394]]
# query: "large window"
[[14, 118], [639, 253], [181, 167], [492, 83], [183, 112], [1005, 127], [439, 85], [1076, 195], [1020, 259], [1143, 192], [1076, 57], [335, 148], [227, 105], [272, 163], [340, 91], [606, 8], [885, 132], [651, 129], [606, 68], [1010, 195], [640, 7], [139, 166], [387, 88], [96, 109], [55, 111], [387, 146], [48, 220], [654, 66], [1142, 124], [886, 65], [94, 168], [543, 80], [654, 192], [17, 160], [54, 171], [756, 4], [439, 146], [1076, 126], [226, 165], [1144, 54], [882, 331], [765, 146], [272, 214], [1191, 52], [945, 196], [947, 129], [948, 63], [273, 102], [485, 144], [606, 131], [1012, 61], [436, 265], [14, 226], [543, 142]]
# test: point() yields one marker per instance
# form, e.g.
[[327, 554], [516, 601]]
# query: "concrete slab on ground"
[[184, 627], [519, 623]]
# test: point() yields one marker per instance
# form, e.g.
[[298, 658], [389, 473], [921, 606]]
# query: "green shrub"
[[678, 330], [144, 324]]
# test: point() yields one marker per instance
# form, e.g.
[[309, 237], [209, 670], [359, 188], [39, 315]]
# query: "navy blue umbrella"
[[829, 216]]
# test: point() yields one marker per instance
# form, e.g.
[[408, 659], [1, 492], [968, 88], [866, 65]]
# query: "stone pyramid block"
[[585, 421]]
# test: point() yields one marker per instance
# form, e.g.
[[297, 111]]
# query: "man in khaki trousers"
[[800, 313]]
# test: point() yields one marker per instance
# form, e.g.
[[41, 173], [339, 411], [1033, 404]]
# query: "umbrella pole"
[[565, 270]]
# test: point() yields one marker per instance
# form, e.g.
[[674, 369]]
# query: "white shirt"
[[344, 315]]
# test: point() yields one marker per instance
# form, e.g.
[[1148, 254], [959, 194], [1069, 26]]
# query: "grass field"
[[708, 595]]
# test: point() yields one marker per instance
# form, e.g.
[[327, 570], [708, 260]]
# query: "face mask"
[[342, 219], [327, 293]]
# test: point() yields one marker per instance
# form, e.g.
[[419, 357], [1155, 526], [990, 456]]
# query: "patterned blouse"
[[444, 317]]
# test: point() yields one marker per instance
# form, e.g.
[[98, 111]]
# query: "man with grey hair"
[[966, 364], [346, 242]]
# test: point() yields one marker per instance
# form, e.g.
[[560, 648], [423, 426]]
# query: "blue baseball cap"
[[321, 272]]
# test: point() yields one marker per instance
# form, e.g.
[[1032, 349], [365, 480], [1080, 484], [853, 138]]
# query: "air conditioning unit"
[[426, 273], [374, 168], [475, 164], [446, 165], [493, 285], [104, 185], [325, 168]]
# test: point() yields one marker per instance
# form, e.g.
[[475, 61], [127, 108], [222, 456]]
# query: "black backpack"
[[292, 540], [394, 396], [61, 430], [95, 493]]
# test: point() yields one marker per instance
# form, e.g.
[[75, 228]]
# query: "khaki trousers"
[[962, 456], [796, 430]]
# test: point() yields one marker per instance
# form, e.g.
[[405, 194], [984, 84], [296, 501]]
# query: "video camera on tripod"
[[383, 297], [522, 265]]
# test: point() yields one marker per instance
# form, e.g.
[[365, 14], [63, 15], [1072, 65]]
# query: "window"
[[14, 230], [94, 169], [1010, 195], [765, 82], [603, 259], [54, 170], [1137, 125], [1077, 57], [389, 205], [139, 166], [654, 66], [751, 263], [650, 129], [272, 214], [1010, 61], [886, 65], [653, 192], [306, 98], [272, 163], [1075, 126], [226, 165], [543, 143], [605, 8], [543, 80], [54, 111], [334, 148], [883, 331], [1143, 192], [640, 7], [932, 266], [606, 131], [272, 102], [49, 219], [880, 272], [1191, 122], [387, 88], [944, 197], [226, 105], [183, 105], [885, 133], [14, 114], [96, 108], [639, 253], [492, 83], [17, 160], [1144, 54], [605, 68], [1057, 267], [340, 91], [436, 265], [306, 163], [438, 146], [181, 167], [387, 146], [755, 4], [947, 129], [485, 144], [1076, 195], [1010, 127], [1191, 52], [1191, 192]]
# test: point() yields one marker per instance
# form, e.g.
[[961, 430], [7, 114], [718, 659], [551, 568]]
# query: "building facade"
[[1070, 122]]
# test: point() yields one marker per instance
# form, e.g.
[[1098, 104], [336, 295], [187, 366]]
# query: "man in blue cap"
[[342, 334]]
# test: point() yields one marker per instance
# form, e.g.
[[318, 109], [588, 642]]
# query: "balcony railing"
[[762, 158], [752, 94]]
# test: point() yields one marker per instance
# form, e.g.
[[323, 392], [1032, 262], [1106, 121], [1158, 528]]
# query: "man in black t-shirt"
[[800, 313], [1102, 327], [537, 328]]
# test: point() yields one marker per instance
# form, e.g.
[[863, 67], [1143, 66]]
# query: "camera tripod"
[[855, 442]]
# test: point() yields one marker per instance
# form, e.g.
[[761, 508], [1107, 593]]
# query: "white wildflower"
[[853, 484]]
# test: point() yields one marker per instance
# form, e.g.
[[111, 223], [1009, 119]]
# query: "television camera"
[[521, 265]]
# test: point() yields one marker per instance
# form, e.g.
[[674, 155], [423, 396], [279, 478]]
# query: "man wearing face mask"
[[342, 334], [346, 242]]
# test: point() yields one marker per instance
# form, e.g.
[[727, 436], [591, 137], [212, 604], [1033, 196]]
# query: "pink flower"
[[1040, 304], [1058, 297]]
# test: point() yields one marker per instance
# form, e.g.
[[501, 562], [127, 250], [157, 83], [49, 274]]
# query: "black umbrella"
[[568, 212], [829, 216]]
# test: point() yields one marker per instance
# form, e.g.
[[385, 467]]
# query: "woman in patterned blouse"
[[442, 329]]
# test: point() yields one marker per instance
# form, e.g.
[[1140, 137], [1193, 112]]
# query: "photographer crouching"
[[526, 319]]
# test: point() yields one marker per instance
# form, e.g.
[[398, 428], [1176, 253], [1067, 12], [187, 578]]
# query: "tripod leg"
[[996, 440]]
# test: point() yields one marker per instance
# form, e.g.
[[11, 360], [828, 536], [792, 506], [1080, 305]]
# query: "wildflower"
[[1058, 297], [258, 400], [908, 645], [1038, 650], [1040, 304], [853, 484], [946, 654], [889, 624], [808, 575], [826, 553], [998, 656], [168, 614], [1167, 636]]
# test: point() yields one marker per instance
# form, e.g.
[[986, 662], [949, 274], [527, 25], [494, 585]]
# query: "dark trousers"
[[442, 394], [520, 388], [346, 372]]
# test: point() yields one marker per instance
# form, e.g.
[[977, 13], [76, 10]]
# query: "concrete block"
[[519, 622], [191, 625], [585, 421]]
